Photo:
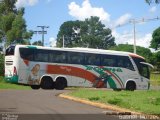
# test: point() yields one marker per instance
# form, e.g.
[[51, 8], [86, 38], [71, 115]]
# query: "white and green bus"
[[48, 68]]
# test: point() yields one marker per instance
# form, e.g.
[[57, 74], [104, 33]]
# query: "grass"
[[155, 79], [155, 76], [5, 85], [141, 101]]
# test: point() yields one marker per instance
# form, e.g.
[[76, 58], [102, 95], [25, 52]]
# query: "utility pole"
[[134, 22], [134, 33], [42, 32], [134, 25]]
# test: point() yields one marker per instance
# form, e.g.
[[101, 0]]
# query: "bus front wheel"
[[35, 87], [131, 86], [60, 83]]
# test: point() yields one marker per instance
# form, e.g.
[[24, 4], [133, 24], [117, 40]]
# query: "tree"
[[157, 60], [123, 47], [66, 32], [26, 37], [97, 36], [153, 1], [89, 33], [145, 52], [155, 42], [39, 43], [12, 23], [1, 64]]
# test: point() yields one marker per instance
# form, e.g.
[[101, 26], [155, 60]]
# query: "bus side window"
[[92, 59], [120, 63], [41, 55], [27, 53], [57, 56], [60, 57], [51, 56], [108, 60], [124, 61], [75, 58]]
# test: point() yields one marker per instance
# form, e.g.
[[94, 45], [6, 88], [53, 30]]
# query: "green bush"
[[1, 65]]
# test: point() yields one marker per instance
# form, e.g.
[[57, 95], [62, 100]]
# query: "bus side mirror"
[[148, 64]]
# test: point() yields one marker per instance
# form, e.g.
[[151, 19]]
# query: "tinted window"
[[57, 56], [92, 59], [10, 50], [124, 61], [27, 53], [143, 69], [75, 58], [137, 62], [41, 55], [108, 60]]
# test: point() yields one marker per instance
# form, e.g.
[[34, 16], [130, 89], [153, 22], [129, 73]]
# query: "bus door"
[[145, 74]]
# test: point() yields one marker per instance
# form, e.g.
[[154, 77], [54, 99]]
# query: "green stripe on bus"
[[101, 72], [119, 78], [111, 83], [32, 47]]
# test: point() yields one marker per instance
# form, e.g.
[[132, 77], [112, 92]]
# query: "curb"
[[116, 110]]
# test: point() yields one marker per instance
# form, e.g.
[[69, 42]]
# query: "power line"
[[137, 21], [42, 32]]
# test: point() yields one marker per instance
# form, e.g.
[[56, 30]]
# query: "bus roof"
[[85, 50]]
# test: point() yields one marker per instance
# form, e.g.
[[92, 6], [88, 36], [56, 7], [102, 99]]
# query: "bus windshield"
[[142, 68]]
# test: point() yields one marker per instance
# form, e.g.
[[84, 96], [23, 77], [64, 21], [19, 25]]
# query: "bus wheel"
[[35, 87], [116, 89], [47, 83], [60, 83], [131, 86]]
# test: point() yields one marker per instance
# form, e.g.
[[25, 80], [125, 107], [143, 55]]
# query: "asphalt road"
[[46, 105]]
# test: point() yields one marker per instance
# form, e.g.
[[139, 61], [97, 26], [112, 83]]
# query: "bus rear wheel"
[[60, 83], [131, 86], [47, 83], [35, 87]]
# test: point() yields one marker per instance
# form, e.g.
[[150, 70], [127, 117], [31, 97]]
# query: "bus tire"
[[47, 83], [131, 86], [60, 83], [35, 87], [117, 89]]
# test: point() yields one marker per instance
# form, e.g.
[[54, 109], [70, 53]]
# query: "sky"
[[118, 15]]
